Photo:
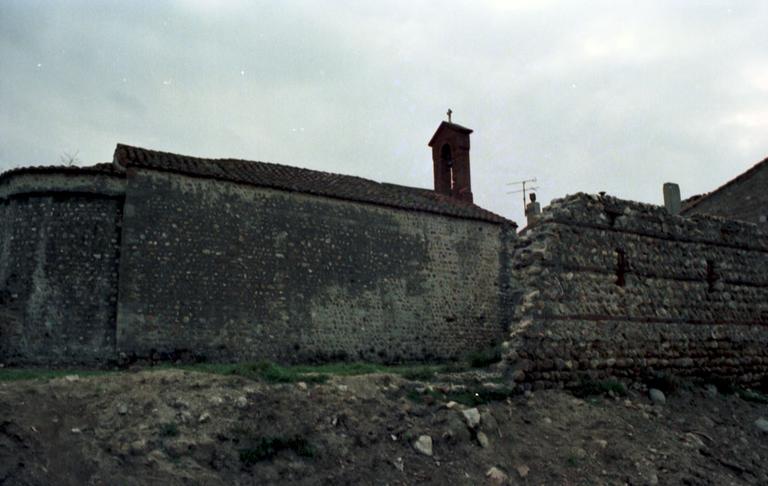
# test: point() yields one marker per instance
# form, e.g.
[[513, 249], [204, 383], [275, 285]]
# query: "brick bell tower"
[[450, 158]]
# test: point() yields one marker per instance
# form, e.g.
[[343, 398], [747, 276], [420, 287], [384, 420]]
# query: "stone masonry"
[[163, 256], [617, 288], [160, 256]]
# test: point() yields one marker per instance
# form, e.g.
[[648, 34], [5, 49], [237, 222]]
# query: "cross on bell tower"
[[450, 159]]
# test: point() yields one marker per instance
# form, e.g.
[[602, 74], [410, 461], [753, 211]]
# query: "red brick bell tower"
[[450, 156]]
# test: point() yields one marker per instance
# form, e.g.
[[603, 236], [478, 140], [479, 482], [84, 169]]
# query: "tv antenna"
[[524, 188]]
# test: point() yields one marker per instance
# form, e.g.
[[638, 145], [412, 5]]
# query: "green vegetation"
[[471, 397], [591, 388], [18, 374], [752, 396], [668, 383], [274, 373], [267, 448], [484, 358], [169, 429]]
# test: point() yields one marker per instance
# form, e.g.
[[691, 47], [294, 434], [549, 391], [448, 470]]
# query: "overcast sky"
[[585, 96]]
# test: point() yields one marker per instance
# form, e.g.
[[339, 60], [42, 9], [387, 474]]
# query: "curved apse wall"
[[59, 252]]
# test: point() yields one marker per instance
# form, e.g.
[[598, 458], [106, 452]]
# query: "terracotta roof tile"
[[304, 180], [105, 168]]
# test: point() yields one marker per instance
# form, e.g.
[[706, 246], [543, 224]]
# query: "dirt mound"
[[180, 427]]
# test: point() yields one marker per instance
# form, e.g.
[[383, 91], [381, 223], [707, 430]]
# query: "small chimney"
[[532, 210], [672, 197]]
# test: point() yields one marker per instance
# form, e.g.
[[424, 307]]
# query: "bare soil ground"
[[180, 427]]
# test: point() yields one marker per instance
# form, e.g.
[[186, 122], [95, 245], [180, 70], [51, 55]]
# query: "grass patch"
[[723, 385], [169, 429], [484, 358], [469, 397], [752, 396], [665, 382], [274, 373], [267, 371], [266, 448], [410, 372], [20, 374], [591, 388]]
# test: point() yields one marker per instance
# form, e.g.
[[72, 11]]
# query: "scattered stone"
[[204, 417], [342, 388], [522, 470], [424, 445], [180, 403], [216, 400], [241, 402], [185, 417], [180, 447], [456, 430], [653, 479], [399, 465], [601, 443], [762, 424], [482, 439], [496, 476], [547, 420], [451, 405], [472, 417], [578, 453], [711, 390], [71, 378], [692, 440], [77, 431], [138, 446], [122, 408], [657, 396], [302, 385], [155, 456]]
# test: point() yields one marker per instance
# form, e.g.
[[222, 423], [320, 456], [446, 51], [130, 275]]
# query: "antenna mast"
[[524, 189]]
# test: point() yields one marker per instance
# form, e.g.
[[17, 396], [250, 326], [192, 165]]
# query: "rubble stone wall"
[[59, 247], [235, 272], [619, 288]]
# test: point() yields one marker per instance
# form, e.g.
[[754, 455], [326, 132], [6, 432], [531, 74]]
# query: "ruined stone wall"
[[59, 245], [236, 272], [689, 296]]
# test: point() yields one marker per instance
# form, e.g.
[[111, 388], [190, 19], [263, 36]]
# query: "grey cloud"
[[586, 96]]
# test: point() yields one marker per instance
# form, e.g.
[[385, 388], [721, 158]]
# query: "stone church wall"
[[234, 272], [59, 244], [689, 296]]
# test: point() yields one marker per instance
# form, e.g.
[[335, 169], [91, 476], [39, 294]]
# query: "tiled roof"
[[448, 125], [104, 168], [304, 180], [694, 201]]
